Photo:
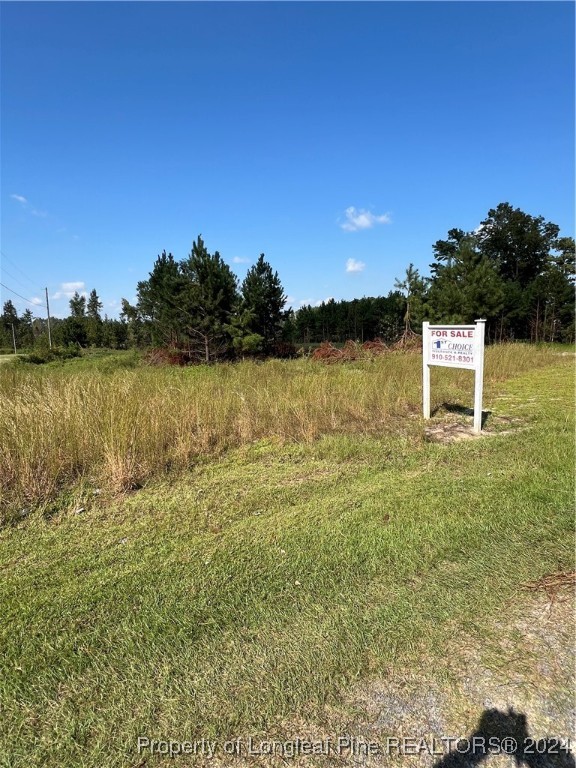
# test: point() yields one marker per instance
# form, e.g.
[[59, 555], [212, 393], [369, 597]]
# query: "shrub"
[[65, 353], [45, 355], [36, 358], [284, 350], [167, 356]]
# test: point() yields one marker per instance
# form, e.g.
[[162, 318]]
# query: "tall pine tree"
[[413, 286], [77, 305], [8, 320], [263, 297], [159, 301], [209, 299], [93, 319], [466, 288]]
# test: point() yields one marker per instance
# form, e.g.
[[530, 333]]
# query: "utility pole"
[[48, 313], [13, 337]]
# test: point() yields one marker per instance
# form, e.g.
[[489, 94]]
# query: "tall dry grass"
[[115, 430]]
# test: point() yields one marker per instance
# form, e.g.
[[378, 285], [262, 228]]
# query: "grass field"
[[295, 533], [106, 424]]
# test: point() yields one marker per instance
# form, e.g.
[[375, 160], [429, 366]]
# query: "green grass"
[[254, 589], [104, 422]]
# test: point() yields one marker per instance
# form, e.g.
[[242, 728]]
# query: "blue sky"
[[340, 139]]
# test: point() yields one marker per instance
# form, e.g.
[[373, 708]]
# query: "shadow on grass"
[[507, 733], [461, 410]]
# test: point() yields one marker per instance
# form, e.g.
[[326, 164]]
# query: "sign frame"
[[471, 360]]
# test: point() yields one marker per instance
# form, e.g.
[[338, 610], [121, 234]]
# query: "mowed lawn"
[[252, 589]]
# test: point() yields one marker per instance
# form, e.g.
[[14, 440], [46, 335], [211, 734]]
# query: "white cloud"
[[73, 286], [359, 218], [482, 229], [25, 203], [313, 302], [353, 265], [35, 300], [67, 290], [240, 260]]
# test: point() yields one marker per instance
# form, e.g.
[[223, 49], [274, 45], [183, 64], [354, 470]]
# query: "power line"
[[5, 271], [20, 297], [24, 275]]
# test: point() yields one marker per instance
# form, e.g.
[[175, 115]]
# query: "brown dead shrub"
[[327, 353], [352, 350], [375, 347], [167, 356], [409, 342]]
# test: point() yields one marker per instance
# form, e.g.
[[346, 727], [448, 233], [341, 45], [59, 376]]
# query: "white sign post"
[[454, 346]]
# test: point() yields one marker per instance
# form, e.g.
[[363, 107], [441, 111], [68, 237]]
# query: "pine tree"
[[535, 267], [208, 299], [516, 242], [468, 288], [136, 332], [8, 319], [159, 300], [9, 314], [263, 297], [552, 303], [244, 340], [414, 287], [93, 319], [93, 306], [77, 305], [445, 250], [26, 330]]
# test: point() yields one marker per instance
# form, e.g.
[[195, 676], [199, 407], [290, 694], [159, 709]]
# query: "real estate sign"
[[454, 346]]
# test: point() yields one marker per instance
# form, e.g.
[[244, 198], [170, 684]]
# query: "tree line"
[[84, 327], [514, 270]]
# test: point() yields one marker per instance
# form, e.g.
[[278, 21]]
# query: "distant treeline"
[[514, 270], [337, 321]]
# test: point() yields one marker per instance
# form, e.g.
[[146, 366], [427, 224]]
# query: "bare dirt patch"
[[457, 427], [518, 681]]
